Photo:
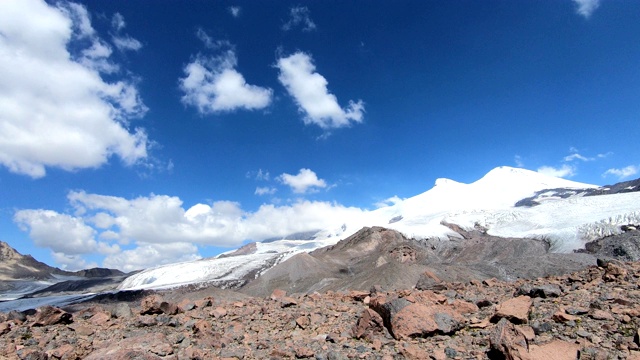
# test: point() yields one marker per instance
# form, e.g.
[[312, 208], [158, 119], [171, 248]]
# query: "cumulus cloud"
[[235, 11], [586, 7], [150, 255], [305, 181], [159, 229], [563, 171], [72, 262], [623, 173], [299, 16], [62, 233], [212, 83], [57, 110], [309, 89]]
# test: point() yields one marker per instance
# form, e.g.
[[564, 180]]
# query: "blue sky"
[[136, 133]]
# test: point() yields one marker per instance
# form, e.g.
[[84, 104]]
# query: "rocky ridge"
[[590, 314]]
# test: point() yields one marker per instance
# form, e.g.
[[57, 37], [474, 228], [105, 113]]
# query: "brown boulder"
[[417, 320], [369, 323], [515, 310], [154, 304], [49, 315], [507, 342]]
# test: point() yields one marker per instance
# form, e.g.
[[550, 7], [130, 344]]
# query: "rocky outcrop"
[[380, 256], [590, 314]]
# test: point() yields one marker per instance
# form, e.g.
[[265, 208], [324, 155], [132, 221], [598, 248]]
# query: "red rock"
[[493, 282], [417, 320], [555, 350], [526, 331], [506, 340], [5, 327], [464, 307], [369, 323], [154, 304], [202, 327], [560, 316], [413, 352], [303, 352], [49, 315], [515, 310], [278, 294], [100, 319], [202, 303], [65, 351], [218, 312], [358, 295], [287, 302], [149, 346], [601, 315], [303, 321]]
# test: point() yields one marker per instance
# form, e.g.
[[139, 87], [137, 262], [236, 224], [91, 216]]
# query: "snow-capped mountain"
[[569, 220]]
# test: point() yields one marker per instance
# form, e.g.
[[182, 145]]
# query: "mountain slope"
[[15, 266], [489, 202], [384, 257]]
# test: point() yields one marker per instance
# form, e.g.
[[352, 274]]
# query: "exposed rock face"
[[379, 256], [564, 193], [595, 315], [17, 266]]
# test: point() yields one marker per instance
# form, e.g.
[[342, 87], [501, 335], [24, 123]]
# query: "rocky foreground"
[[591, 314]]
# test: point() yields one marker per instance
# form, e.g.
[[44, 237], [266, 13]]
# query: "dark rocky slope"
[[379, 256]]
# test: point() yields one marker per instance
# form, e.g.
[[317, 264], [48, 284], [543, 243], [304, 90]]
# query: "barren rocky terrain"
[[589, 314]]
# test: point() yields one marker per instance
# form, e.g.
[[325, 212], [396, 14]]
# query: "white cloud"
[[309, 89], [60, 232], [518, 160], [623, 173], [126, 43], [212, 84], [576, 156], [265, 190], [123, 42], [388, 202], [149, 255], [306, 180], [586, 7], [235, 11], [561, 172], [299, 16], [72, 262], [57, 110], [159, 229], [117, 22]]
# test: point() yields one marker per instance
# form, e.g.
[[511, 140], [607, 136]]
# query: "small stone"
[[218, 312], [278, 294], [303, 352], [561, 317], [601, 315]]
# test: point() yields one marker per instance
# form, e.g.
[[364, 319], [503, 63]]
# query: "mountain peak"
[[8, 253]]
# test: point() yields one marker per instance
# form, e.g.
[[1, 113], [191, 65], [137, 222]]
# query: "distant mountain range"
[[22, 275], [511, 223]]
